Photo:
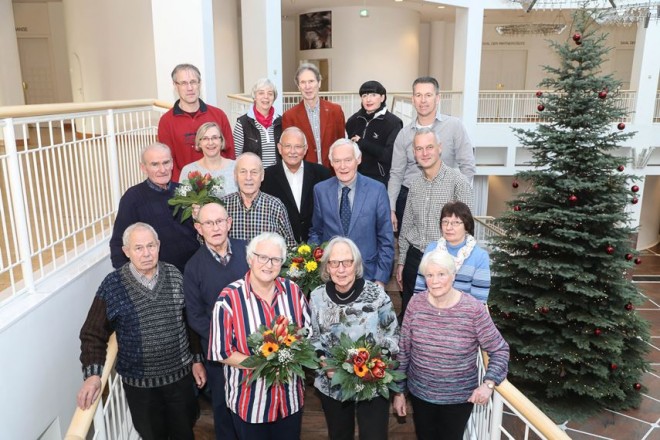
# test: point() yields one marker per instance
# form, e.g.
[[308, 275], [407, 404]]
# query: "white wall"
[[289, 52], [649, 221], [362, 51], [11, 92], [226, 20], [40, 372]]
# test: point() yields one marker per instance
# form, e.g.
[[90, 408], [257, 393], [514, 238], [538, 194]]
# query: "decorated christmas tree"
[[561, 292]]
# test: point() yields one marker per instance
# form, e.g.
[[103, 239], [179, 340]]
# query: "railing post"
[[18, 208], [99, 423], [113, 160], [496, 417]]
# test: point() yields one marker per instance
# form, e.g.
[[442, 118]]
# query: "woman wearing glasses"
[[210, 141], [347, 303], [472, 262], [256, 299]]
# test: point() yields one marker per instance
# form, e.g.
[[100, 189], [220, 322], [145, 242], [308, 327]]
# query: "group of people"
[[186, 295]]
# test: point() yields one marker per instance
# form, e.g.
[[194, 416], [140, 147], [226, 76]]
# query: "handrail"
[[482, 221], [20, 111], [82, 418]]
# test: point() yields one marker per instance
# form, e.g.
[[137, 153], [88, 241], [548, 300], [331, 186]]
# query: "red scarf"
[[266, 121]]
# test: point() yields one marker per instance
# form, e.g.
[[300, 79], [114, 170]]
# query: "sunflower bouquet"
[[363, 370], [197, 189], [280, 352], [302, 266]]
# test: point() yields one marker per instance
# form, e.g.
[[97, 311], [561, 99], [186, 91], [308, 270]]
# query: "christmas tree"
[[560, 294]]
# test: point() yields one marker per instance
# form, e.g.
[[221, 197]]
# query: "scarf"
[[463, 253], [266, 121]]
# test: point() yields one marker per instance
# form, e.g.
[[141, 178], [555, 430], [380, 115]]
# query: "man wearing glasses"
[[178, 126], [437, 185], [293, 180], [219, 262]]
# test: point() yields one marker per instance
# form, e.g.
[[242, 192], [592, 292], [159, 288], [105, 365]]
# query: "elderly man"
[[437, 185], [320, 120], [457, 150], [357, 207], [215, 265], [178, 126], [293, 181], [143, 303], [147, 202], [251, 210]]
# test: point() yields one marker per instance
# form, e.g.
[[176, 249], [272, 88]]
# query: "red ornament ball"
[[539, 94], [540, 107], [572, 198], [634, 188], [609, 249], [577, 37], [637, 386], [602, 94], [638, 260], [629, 257], [634, 200], [515, 184], [621, 126], [613, 366], [536, 246], [597, 332], [629, 307], [579, 42], [544, 309], [516, 208], [621, 168]]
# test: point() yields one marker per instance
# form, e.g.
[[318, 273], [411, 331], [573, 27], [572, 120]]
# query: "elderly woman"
[[349, 304], [210, 141], [442, 332], [472, 262], [258, 412], [259, 130]]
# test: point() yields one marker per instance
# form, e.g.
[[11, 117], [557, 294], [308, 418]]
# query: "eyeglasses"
[[294, 147], [340, 162], [193, 83], [454, 223], [207, 139], [263, 259], [370, 95], [335, 263], [441, 275], [211, 223]]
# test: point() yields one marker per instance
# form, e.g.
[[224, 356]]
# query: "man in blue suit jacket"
[[370, 224]]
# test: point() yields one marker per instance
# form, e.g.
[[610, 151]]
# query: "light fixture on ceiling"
[[441, 7], [530, 29], [364, 13]]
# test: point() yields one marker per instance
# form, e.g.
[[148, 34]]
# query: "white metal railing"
[[656, 113], [62, 171]]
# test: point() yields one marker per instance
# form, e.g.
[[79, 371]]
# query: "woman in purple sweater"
[[442, 331]]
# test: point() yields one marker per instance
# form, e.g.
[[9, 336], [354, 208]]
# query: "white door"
[[36, 70], [503, 70]]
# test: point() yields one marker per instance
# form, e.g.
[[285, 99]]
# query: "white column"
[[262, 23], [645, 71], [11, 88], [467, 60], [227, 50], [480, 187], [183, 33]]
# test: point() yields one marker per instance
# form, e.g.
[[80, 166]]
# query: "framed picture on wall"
[[316, 30]]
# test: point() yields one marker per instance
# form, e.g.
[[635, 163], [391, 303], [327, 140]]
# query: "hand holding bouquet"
[[281, 352], [196, 190], [362, 370]]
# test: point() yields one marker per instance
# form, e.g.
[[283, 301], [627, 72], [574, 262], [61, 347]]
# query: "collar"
[[288, 172], [177, 110], [170, 186], [441, 172], [316, 107], [438, 118], [214, 253], [351, 185]]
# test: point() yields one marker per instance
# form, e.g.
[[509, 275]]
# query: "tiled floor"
[[642, 423]]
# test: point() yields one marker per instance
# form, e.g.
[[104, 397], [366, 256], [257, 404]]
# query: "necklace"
[[347, 297]]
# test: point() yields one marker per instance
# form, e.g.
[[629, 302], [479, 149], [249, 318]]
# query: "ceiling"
[[428, 11]]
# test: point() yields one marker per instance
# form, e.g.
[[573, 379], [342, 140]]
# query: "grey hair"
[[154, 146], [272, 237], [357, 153], [139, 225], [426, 130], [298, 131], [355, 252], [248, 154], [439, 257], [312, 68], [185, 66], [263, 83], [427, 80]]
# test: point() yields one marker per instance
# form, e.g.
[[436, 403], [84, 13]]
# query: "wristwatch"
[[490, 385]]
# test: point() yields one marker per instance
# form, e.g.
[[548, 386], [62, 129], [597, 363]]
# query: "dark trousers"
[[372, 416], [410, 268], [433, 421], [167, 412], [401, 205], [287, 428], [222, 419]]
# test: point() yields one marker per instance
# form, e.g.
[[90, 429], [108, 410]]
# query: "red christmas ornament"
[[597, 332], [620, 168], [634, 188], [539, 94], [544, 309], [621, 126], [634, 200], [638, 260], [637, 386], [609, 249], [516, 208], [629, 307], [536, 246], [540, 107], [515, 184], [602, 94], [613, 366], [579, 42], [629, 257], [573, 198], [577, 37]]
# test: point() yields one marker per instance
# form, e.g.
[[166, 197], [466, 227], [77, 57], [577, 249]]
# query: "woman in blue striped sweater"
[[443, 330], [472, 262]]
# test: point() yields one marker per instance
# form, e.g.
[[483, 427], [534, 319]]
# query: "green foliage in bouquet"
[[196, 190], [303, 266]]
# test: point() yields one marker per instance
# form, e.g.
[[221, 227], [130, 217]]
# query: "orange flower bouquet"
[[362, 369], [280, 352]]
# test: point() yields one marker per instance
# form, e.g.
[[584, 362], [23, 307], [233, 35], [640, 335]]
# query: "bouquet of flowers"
[[363, 370], [196, 190], [302, 266], [281, 352]]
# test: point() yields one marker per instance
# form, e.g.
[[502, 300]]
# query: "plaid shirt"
[[421, 218], [267, 214], [237, 314]]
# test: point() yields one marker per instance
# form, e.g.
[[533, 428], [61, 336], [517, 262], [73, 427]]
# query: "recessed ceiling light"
[[398, 1], [441, 7]]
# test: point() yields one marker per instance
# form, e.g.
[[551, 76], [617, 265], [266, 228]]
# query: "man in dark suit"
[[321, 120], [357, 207], [293, 180]]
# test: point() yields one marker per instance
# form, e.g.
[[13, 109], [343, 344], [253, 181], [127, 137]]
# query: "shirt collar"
[[291, 173], [176, 109], [155, 187], [214, 253]]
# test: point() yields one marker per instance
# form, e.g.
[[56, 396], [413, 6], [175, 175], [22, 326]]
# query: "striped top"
[[267, 139], [473, 277], [438, 349], [237, 314]]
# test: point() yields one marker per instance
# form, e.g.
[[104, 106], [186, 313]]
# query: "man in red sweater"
[[177, 128]]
